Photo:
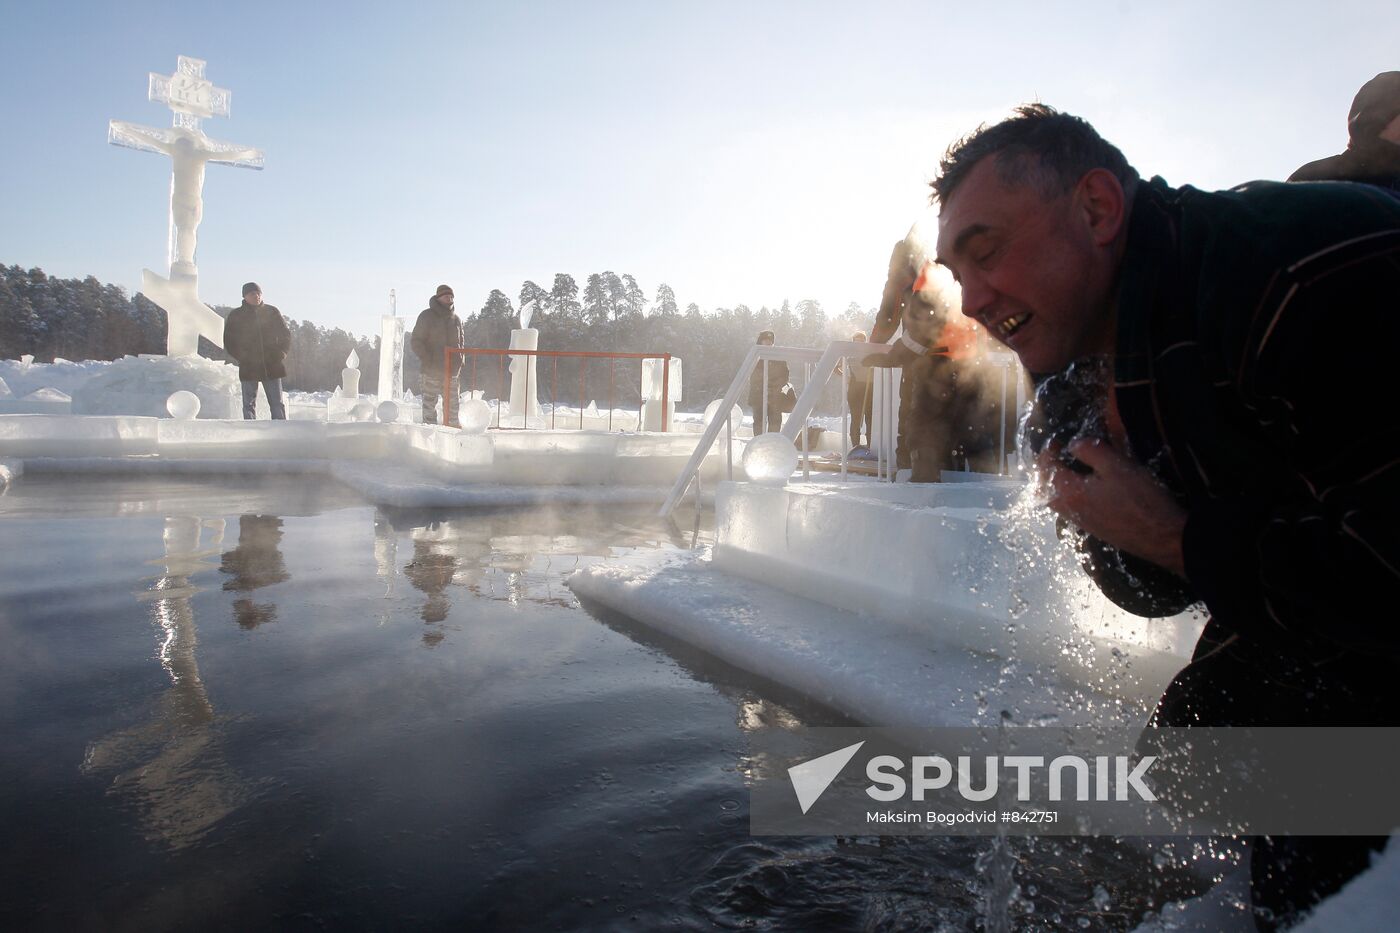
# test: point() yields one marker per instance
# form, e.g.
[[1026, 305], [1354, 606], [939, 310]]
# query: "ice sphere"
[[474, 415], [362, 411], [182, 405], [387, 412], [770, 459], [712, 409]]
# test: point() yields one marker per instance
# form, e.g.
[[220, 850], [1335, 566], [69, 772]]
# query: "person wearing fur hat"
[[257, 337], [437, 329]]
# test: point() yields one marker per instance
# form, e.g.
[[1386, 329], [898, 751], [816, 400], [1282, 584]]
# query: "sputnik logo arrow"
[[811, 778]]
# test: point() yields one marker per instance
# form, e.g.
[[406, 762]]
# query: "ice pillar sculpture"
[[192, 97], [524, 385], [391, 330], [654, 416]]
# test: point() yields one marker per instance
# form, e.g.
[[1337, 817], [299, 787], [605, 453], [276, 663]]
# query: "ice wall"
[[962, 563]]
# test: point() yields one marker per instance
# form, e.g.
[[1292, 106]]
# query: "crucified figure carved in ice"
[[192, 97], [190, 151]]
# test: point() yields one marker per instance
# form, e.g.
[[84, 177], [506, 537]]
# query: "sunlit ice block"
[[660, 458], [292, 440], [447, 453], [952, 561], [238, 438], [582, 458], [76, 436], [562, 458]]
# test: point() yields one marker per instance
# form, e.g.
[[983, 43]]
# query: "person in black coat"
[[777, 378], [258, 338], [437, 330]]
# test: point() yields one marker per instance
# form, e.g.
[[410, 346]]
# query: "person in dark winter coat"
[[1239, 454], [1372, 155], [777, 378], [437, 329], [258, 338]]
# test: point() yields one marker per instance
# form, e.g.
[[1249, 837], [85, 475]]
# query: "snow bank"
[[140, 385], [63, 375]]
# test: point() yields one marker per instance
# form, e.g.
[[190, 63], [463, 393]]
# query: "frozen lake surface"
[[240, 703]]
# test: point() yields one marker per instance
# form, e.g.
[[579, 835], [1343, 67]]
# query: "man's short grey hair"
[[1038, 146]]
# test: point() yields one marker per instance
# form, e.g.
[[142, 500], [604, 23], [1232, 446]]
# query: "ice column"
[[652, 382], [524, 384], [391, 358]]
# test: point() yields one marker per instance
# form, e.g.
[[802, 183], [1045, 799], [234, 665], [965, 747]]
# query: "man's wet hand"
[[1118, 501]]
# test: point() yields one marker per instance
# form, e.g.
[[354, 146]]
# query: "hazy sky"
[[745, 152]]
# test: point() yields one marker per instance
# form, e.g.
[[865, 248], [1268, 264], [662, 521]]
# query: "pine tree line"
[[81, 319], [612, 314]]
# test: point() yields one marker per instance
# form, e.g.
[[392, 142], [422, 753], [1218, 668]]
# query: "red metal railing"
[[449, 399]]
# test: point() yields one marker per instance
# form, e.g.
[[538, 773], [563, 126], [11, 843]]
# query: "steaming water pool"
[[247, 705]]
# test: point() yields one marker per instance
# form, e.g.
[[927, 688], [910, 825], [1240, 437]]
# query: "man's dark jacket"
[[258, 338], [1258, 331], [436, 329]]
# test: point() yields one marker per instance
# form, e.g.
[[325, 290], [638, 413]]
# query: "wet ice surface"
[[246, 705]]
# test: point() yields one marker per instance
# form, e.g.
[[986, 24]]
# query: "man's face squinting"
[[1032, 270]]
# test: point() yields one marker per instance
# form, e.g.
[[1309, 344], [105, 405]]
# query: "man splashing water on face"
[[1238, 455]]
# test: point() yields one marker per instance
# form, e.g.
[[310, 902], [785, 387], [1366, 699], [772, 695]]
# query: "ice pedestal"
[[524, 383], [654, 418], [338, 407], [140, 385]]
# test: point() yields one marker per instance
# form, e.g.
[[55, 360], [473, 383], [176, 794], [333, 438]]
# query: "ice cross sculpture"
[[192, 97]]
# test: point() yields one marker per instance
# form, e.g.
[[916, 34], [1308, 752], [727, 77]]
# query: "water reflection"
[[503, 556], [171, 766], [255, 563], [430, 571]]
